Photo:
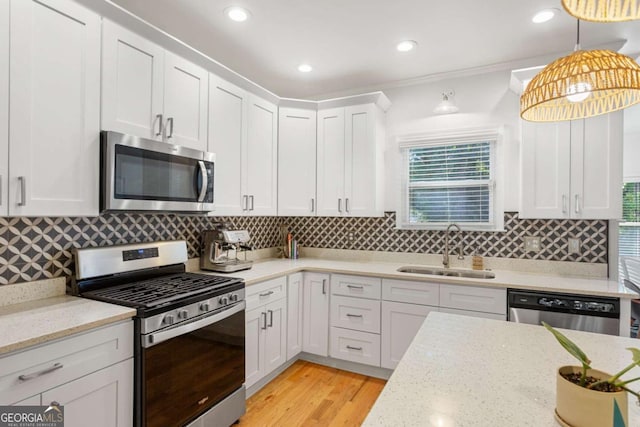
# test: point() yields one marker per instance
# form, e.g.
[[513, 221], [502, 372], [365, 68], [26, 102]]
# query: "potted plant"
[[586, 397]]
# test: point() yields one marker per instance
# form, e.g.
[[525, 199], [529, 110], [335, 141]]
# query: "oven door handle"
[[156, 338]]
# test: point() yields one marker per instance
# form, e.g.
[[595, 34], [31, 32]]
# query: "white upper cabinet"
[[350, 161], [297, 162], [54, 95], [243, 134], [132, 83], [227, 139], [185, 102], [150, 92], [572, 169], [261, 157], [4, 106]]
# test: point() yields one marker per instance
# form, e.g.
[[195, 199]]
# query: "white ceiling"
[[351, 43]]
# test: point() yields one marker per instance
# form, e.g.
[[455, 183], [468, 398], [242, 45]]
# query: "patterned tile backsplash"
[[38, 248]]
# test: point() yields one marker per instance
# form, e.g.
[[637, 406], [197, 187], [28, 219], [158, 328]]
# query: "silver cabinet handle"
[[264, 320], [270, 318], [346, 205], [354, 348], [266, 294], [170, 124], [23, 191], [564, 203], [355, 286], [159, 117], [354, 315], [251, 198], [313, 205], [340, 205], [577, 203], [245, 202], [28, 377], [324, 286]]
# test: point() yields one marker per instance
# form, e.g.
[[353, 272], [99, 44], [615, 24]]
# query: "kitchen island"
[[462, 371]]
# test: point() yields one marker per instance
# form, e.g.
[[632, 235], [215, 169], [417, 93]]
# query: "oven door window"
[[187, 375], [149, 175]]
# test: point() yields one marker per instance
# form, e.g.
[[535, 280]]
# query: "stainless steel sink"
[[451, 272]]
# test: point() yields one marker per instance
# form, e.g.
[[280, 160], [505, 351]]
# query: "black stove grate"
[[160, 290]]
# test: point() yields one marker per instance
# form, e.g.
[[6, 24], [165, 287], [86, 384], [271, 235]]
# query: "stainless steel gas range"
[[189, 331]]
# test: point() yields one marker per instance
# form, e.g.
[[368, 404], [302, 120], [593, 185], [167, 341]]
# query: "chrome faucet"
[[445, 255]]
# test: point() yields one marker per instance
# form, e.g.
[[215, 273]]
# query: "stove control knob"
[[233, 297], [204, 306], [168, 319], [183, 314], [223, 300]]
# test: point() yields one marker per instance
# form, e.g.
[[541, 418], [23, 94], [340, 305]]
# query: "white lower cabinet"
[[473, 298], [472, 313], [400, 324], [266, 333], [91, 374], [295, 303], [101, 399], [315, 323], [355, 313], [355, 346]]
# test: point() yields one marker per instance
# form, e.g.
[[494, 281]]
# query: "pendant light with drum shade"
[[583, 84], [603, 10]]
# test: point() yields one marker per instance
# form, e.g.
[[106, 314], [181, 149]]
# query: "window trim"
[[463, 136]]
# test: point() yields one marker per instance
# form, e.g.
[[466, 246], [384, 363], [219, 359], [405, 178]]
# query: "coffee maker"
[[220, 248]]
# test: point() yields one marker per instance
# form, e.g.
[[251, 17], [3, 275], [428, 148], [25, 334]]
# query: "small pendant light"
[[603, 10]]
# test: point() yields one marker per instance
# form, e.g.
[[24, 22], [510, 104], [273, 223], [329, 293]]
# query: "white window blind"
[[449, 181], [629, 231]]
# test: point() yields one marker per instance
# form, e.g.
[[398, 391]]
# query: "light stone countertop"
[[38, 321], [463, 371], [272, 268]]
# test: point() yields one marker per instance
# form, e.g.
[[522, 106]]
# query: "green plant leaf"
[[569, 345], [636, 354]]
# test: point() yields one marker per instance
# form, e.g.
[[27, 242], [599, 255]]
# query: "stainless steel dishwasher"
[[568, 311]]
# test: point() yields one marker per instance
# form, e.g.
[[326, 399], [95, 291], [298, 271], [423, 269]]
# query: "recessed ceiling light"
[[544, 15], [406, 46], [305, 68], [237, 14]]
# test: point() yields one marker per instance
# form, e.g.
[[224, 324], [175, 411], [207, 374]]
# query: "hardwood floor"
[[307, 394]]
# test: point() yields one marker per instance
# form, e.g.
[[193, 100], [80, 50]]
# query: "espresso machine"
[[220, 249]]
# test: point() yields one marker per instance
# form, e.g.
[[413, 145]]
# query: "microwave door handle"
[[203, 180]]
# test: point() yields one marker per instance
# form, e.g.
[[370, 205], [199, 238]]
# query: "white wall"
[[484, 100]]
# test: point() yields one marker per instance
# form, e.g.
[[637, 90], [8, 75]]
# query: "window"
[[629, 231], [450, 179]]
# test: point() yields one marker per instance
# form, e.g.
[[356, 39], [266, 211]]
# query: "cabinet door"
[[355, 313], [315, 332], [186, 88], [132, 83], [362, 157], [54, 99], [227, 139], [4, 106], [297, 162], [262, 157], [545, 161], [254, 343], [471, 313], [330, 184], [294, 314], [488, 300], [101, 399], [400, 324], [33, 400], [596, 167], [275, 336]]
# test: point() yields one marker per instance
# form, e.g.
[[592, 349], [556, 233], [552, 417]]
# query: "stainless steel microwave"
[[138, 174]]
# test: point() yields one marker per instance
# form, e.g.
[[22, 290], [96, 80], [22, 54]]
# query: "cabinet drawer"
[[61, 361], [488, 300], [355, 313], [356, 346], [474, 313], [265, 292], [356, 286], [422, 293]]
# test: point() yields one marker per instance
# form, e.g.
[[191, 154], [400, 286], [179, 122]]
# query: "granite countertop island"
[[463, 371]]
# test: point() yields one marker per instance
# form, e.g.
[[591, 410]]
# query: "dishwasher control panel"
[[578, 304]]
